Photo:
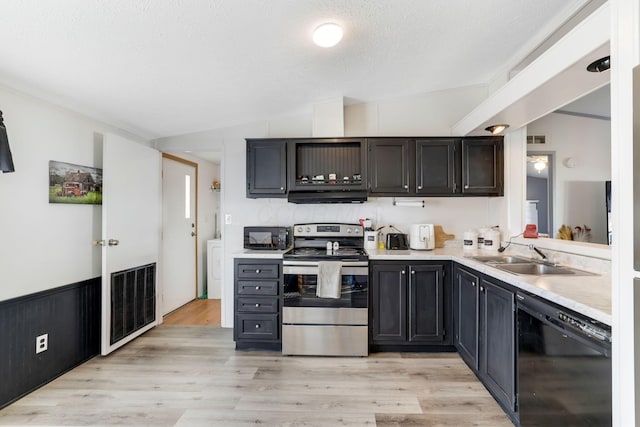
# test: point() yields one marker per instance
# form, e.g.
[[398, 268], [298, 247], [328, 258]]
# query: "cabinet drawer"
[[262, 327], [257, 305], [257, 287], [258, 271]]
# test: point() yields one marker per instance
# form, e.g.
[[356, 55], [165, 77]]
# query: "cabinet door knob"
[[402, 271], [257, 288], [258, 271], [257, 305], [466, 187], [258, 326], [406, 186], [419, 187], [282, 188], [481, 288], [473, 284], [413, 272]]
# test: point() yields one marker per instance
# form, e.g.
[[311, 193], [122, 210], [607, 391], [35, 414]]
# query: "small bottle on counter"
[[329, 247]]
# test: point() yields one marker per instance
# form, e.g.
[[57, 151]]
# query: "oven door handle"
[[313, 270]]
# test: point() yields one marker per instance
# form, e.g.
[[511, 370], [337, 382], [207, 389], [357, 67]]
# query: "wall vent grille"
[[536, 139]]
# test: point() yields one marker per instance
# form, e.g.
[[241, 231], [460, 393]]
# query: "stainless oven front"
[[316, 326]]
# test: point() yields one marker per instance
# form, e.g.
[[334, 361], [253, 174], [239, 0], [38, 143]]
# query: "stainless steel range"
[[326, 290]]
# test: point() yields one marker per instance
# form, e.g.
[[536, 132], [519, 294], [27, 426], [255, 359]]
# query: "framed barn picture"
[[69, 183]]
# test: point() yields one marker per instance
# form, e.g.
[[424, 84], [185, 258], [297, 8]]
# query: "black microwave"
[[269, 238]]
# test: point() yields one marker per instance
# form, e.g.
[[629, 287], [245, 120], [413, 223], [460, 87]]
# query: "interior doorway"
[[179, 230]]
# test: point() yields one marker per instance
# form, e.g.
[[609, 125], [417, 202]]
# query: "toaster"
[[397, 241]]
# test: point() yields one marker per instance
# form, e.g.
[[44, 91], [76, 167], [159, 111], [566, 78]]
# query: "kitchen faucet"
[[531, 246]]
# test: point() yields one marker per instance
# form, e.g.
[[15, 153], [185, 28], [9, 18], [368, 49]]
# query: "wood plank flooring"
[[192, 376], [198, 312]]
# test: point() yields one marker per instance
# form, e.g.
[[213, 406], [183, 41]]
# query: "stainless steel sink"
[[540, 269], [501, 259]]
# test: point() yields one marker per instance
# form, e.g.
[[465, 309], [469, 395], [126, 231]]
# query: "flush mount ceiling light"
[[539, 165], [327, 35], [600, 65], [496, 129]]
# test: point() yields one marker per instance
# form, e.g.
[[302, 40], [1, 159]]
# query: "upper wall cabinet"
[[390, 165], [428, 166], [266, 168], [435, 166], [482, 166], [327, 164]]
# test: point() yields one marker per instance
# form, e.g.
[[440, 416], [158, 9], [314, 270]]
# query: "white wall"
[[579, 191], [44, 245], [424, 115]]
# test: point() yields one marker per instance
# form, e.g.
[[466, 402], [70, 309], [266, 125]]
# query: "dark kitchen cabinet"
[[312, 162], [437, 166], [498, 357], [482, 166], [390, 166], [408, 304], [266, 168], [257, 302], [485, 328], [467, 312]]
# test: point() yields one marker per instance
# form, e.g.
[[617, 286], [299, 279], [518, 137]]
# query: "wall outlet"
[[42, 343]]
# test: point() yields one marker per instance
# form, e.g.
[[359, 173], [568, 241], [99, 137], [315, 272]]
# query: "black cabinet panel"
[[408, 304], [389, 290], [426, 301], [486, 333], [482, 166], [467, 315], [389, 166], [266, 168], [437, 166], [498, 338]]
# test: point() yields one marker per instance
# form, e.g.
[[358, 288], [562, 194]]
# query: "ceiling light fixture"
[[327, 35], [600, 65], [6, 160], [496, 129], [539, 165]]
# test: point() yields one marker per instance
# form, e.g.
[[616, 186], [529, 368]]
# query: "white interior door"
[[179, 233], [131, 228]]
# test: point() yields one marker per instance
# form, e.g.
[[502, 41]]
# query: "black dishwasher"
[[564, 366]]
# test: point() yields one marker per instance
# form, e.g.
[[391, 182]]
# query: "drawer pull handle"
[[257, 305], [257, 288], [258, 271], [257, 326]]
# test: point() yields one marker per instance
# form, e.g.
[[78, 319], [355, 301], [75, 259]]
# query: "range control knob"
[[299, 230], [308, 229], [349, 230]]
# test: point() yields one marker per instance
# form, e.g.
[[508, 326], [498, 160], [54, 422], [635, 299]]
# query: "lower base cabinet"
[[257, 303], [485, 333], [408, 304]]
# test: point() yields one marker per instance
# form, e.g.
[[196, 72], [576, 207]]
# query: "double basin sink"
[[518, 265]]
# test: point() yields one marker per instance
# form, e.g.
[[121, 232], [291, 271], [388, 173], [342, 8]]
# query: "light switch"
[[227, 219]]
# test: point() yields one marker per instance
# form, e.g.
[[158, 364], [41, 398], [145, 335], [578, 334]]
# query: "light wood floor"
[[205, 312], [192, 376]]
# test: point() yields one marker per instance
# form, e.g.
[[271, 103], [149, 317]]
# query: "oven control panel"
[[328, 230]]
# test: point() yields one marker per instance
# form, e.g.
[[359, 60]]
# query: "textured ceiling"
[[167, 67]]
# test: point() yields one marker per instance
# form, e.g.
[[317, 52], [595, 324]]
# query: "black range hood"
[[315, 197]]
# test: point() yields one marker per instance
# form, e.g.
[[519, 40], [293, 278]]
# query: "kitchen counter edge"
[[587, 295]]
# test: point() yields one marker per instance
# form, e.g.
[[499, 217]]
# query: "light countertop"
[[588, 295]]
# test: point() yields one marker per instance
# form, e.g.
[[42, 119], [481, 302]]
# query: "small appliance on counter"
[[397, 241], [267, 238], [422, 237]]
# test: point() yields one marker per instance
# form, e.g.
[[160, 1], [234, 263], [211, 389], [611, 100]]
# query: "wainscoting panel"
[[70, 315]]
